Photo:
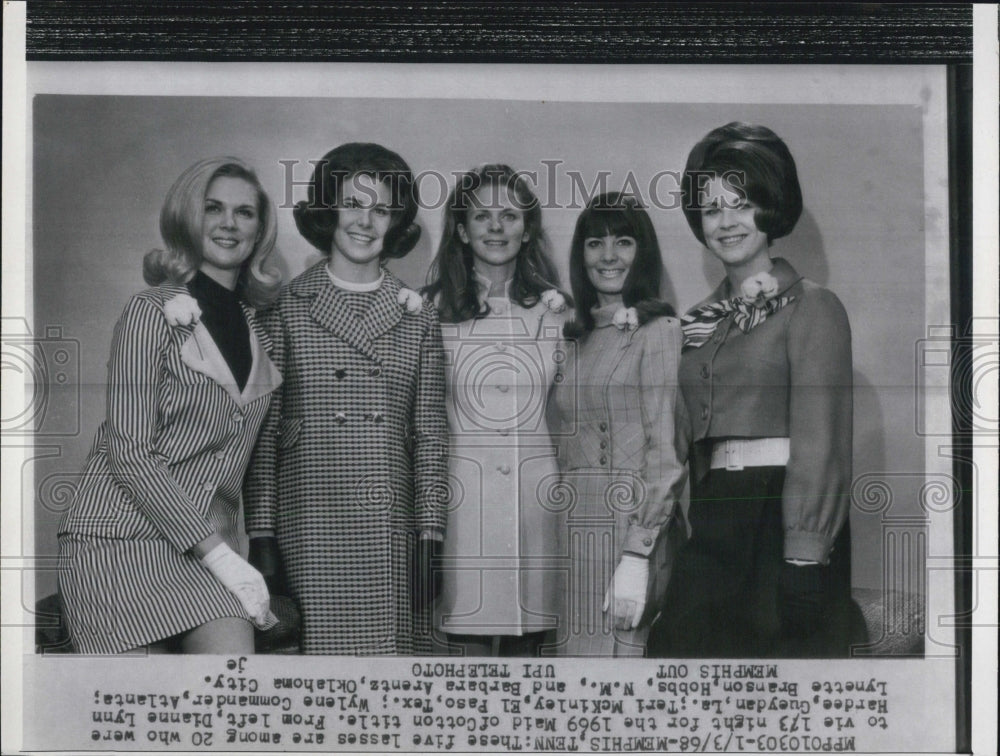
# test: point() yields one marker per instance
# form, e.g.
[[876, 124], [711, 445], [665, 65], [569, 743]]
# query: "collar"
[[603, 316], [781, 269], [340, 283], [487, 284]]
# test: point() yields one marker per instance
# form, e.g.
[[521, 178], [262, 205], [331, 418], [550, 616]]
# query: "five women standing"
[[392, 457]]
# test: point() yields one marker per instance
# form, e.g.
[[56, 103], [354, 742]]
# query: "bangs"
[[611, 221]]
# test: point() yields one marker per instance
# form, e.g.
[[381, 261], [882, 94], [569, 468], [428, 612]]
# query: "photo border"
[[910, 35]]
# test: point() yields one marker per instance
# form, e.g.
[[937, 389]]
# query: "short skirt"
[[122, 594]]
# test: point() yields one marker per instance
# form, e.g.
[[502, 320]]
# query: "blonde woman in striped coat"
[[149, 550]]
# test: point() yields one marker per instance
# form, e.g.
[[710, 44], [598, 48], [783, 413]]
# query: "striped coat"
[[164, 473], [352, 461]]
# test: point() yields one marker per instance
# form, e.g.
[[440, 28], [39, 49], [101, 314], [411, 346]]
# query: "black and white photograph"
[[385, 407]]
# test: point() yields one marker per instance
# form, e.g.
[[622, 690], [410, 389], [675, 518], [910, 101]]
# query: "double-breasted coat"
[[615, 422], [351, 466], [505, 535], [165, 472]]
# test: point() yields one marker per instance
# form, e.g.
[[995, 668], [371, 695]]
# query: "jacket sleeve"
[[429, 422], [663, 469], [816, 495], [260, 488], [133, 416]]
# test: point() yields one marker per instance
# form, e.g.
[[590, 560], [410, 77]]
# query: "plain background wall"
[[102, 165]]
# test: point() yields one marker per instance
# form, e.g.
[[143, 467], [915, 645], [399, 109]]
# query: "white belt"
[[737, 453]]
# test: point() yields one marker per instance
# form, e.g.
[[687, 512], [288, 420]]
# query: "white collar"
[[340, 283], [488, 284]]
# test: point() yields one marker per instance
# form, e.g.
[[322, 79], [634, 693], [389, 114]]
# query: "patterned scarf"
[[699, 325]]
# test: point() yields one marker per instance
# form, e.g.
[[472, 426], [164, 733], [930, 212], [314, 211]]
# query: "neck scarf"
[[699, 325]]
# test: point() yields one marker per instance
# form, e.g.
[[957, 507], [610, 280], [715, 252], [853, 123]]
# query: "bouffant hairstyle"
[[757, 164], [617, 214], [181, 220], [451, 281], [316, 217]]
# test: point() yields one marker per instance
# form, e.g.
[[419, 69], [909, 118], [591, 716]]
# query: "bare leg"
[[160, 647], [228, 635]]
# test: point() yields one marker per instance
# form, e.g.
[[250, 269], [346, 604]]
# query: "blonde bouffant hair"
[[181, 228]]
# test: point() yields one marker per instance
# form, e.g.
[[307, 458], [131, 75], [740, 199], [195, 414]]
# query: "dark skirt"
[[723, 599]]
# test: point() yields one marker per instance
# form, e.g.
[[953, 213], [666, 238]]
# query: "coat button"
[[340, 418], [704, 412], [220, 455], [375, 372], [603, 426], [340, 374], [704, 371], [717, 336], [604, 444], [375, 417], [208, 486], [604, 459], [503, 469], [647, 541], [237, 416]]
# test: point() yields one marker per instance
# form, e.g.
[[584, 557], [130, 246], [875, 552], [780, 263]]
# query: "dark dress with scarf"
[[788, 375]]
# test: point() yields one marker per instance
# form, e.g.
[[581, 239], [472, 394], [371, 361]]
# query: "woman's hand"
[[265, 556], [802, 597], [426, 574], [243, 581], [627, 591]]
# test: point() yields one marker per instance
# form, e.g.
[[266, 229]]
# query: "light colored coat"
[[165, 472], [505, 535], [352, 461]]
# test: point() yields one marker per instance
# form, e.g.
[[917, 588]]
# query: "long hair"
[[451, 281], [617, 214], [181, 228], [757, 164], [316, 218]]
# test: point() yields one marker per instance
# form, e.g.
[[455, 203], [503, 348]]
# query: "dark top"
[[226, 323]]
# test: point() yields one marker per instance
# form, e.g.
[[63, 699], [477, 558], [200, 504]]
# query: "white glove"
[[628, 591], [243, 581]]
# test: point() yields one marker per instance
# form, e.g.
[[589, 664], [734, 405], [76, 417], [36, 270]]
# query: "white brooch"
[[555, 301], [411, 300], [182, 310], [626, 318], [757, 289]]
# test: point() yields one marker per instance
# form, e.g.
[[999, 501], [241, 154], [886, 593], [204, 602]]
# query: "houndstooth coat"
[[351, 465]]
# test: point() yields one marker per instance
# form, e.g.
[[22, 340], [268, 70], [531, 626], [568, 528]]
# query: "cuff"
[[261, 533], [640, 540], [808, 547], [431, 535]]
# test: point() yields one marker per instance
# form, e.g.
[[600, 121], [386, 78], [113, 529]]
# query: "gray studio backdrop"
[[102, 165]]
